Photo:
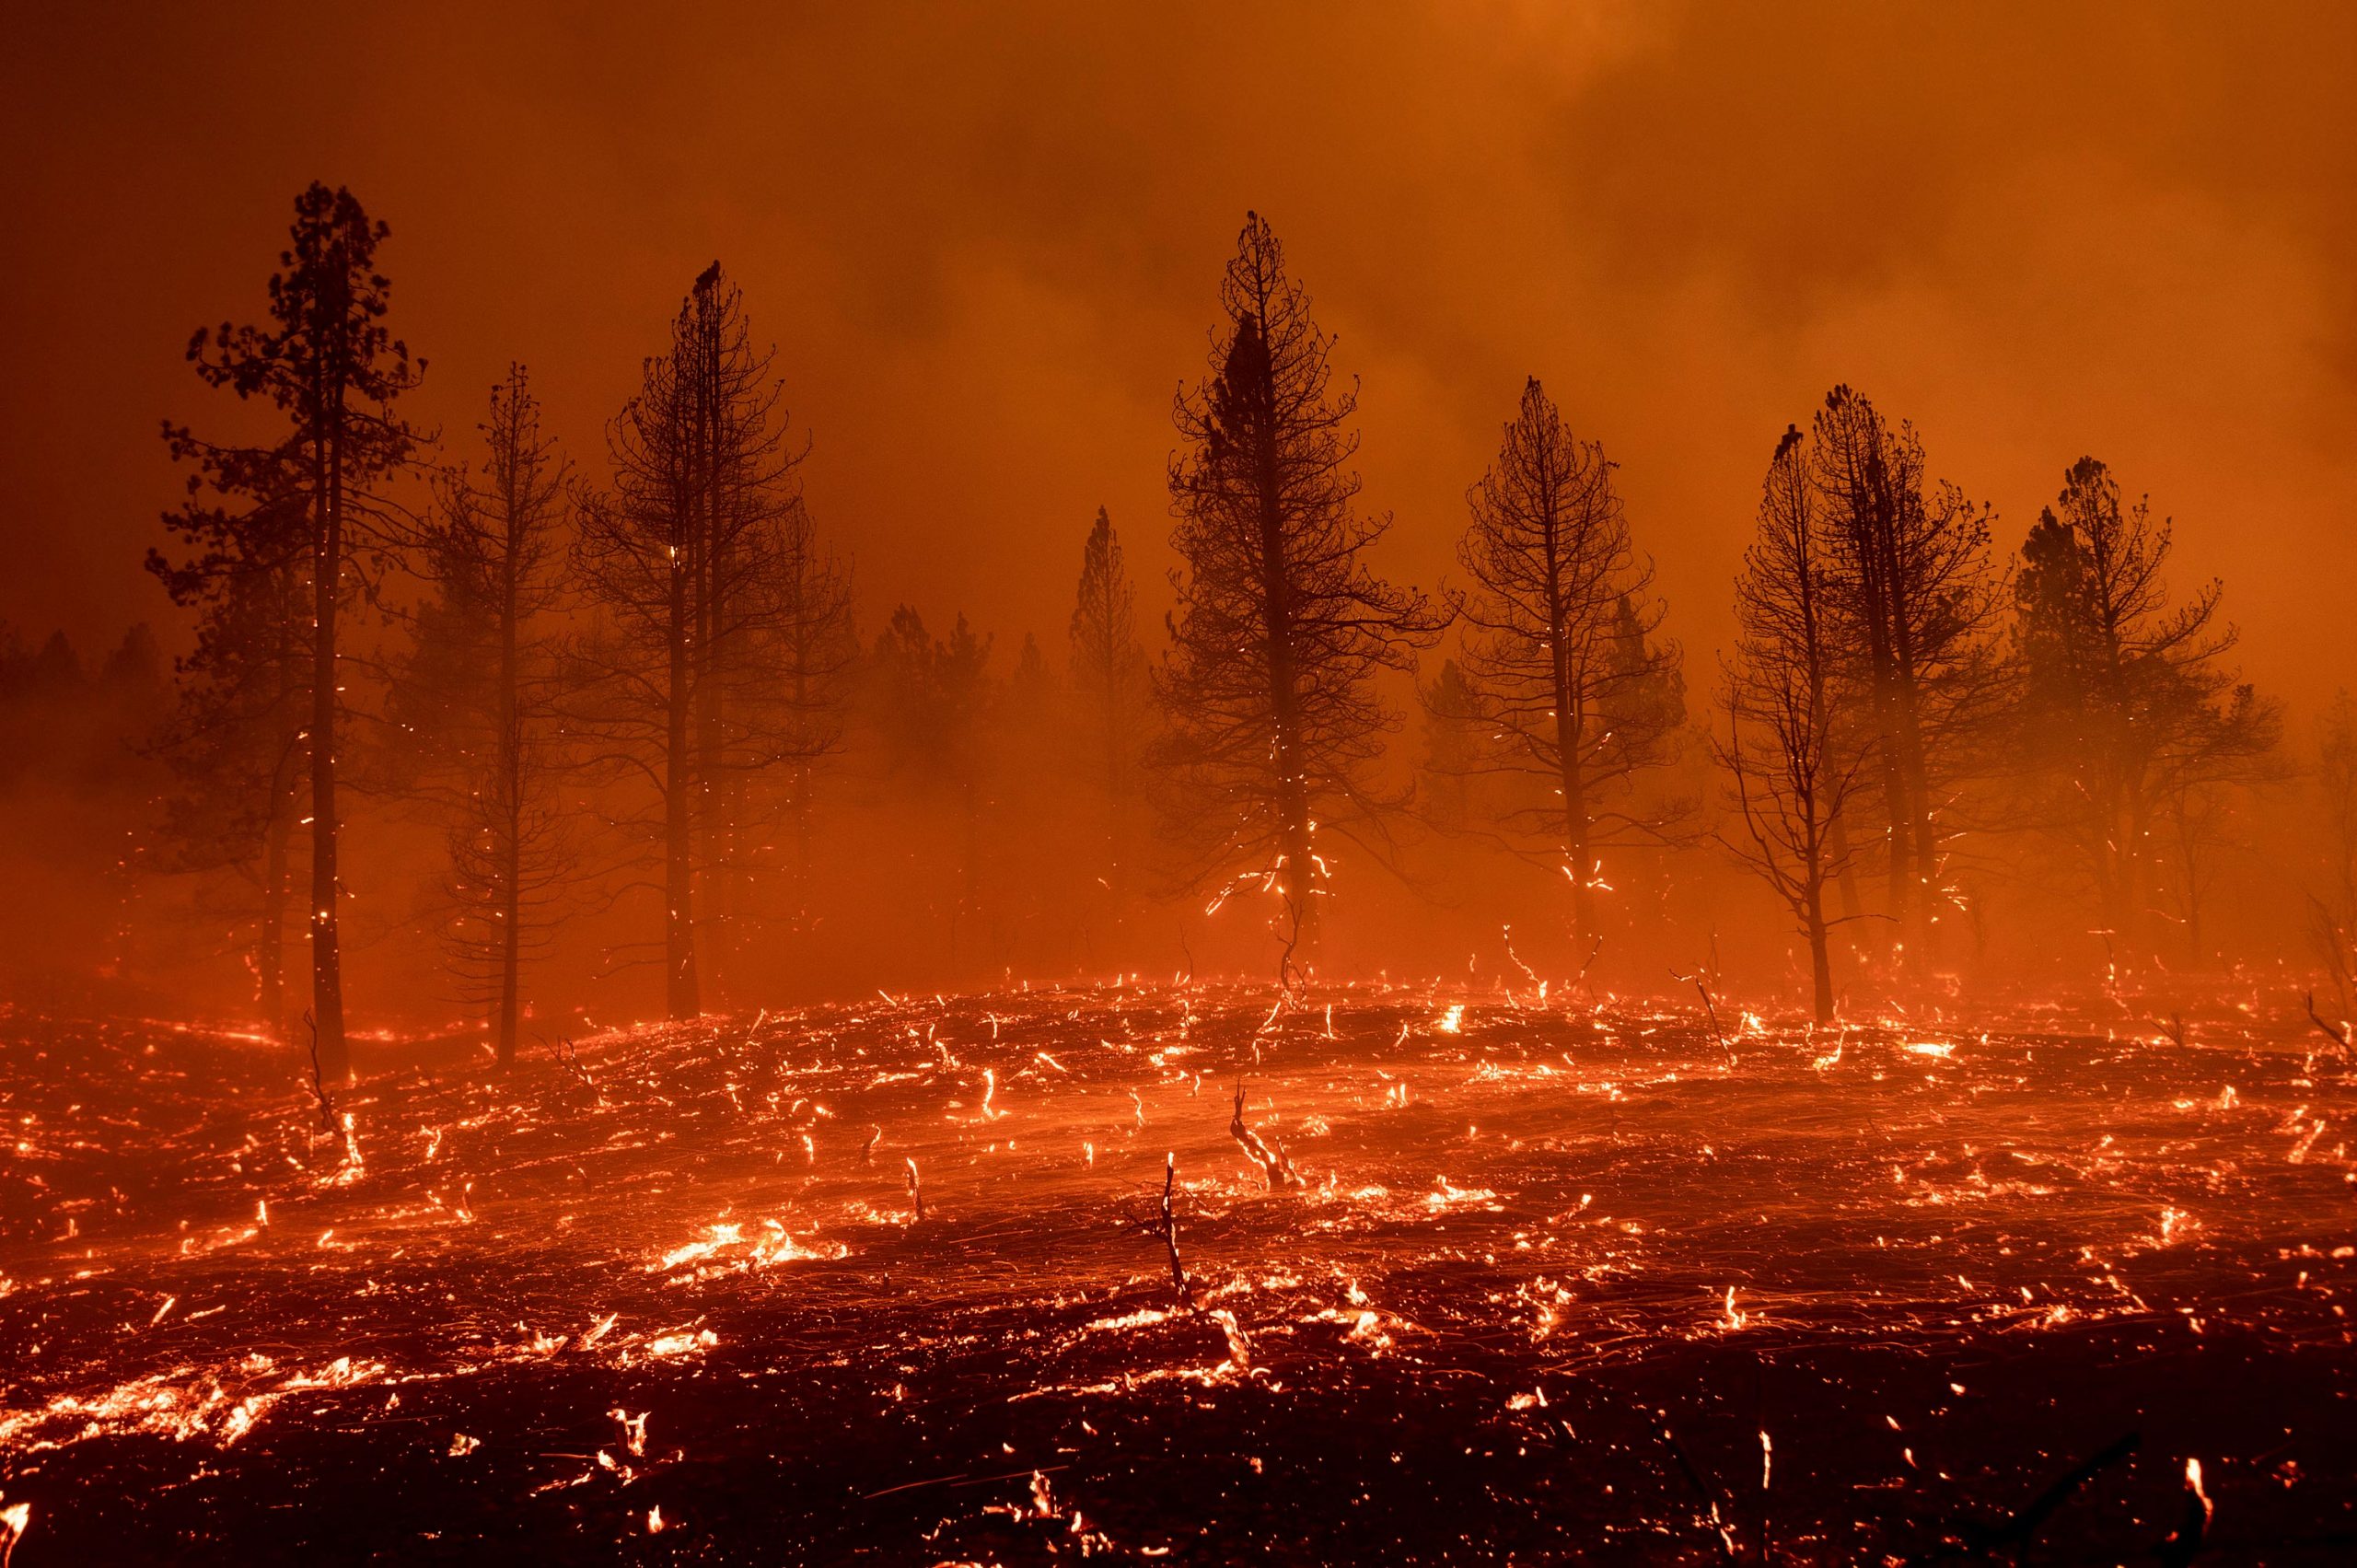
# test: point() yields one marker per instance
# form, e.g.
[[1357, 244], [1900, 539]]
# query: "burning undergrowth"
[[1440, 1279]]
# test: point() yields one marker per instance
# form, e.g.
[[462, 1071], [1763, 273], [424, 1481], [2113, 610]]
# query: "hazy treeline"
[[527, 721]]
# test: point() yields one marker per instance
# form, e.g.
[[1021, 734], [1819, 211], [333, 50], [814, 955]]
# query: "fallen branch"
[[2338, 1037], [2015, 1534], [1275, 1168], [1710, 1011]]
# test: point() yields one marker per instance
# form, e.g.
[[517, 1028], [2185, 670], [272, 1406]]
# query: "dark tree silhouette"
[[1915, 598], [305, 517], [710, 587], [1793, 766], [1110, 688], [1560, 653], [475, 691], [1274, 725], [2125, 697]]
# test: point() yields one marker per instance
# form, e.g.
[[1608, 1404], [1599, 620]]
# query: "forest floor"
[[1558, 1284]]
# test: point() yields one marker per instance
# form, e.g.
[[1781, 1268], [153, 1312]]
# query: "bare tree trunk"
[[327, 572], [1820, 958], [680, 991]]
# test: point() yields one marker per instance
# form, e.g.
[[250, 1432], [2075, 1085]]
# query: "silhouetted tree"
[[1914, 596], [1793, 766], [1560, 654], [1110, 683], [2125, 696], [1272, 722], [475, 690], [710, 587], [307, 513]]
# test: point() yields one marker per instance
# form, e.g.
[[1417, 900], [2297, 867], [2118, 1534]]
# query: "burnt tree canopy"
[[1275, 725]]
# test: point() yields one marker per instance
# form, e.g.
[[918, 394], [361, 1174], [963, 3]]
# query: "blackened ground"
[[1562, 1283]]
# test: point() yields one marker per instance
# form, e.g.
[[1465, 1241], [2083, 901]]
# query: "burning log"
[[1275, 1168], [2183, 1544]]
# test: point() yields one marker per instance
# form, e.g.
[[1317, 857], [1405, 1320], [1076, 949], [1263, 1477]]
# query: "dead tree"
[[2131, 717], [475, 697], [1562, 660], [1269, 1156], [707, 583], [1791, 768], [1913, 616], [315, 496], [1273, 724]]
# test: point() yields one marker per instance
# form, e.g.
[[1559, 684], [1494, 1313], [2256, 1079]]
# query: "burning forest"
[[1547, 833]]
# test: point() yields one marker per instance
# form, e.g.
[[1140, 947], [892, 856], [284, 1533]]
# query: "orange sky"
[[986, 240]]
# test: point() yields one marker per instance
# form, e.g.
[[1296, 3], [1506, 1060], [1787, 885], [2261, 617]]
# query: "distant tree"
[[2333, 911], [1561, 655], [305, 517], [1272, 724], [935, 700], [714, 651], [1916, 618], [1457, 746], [1793, 766], [1111, 686], [2125, 696], [816, 651], [475, 689]]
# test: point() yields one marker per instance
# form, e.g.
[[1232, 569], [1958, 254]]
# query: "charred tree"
[[311, 505], [1915, 617], [1273, 724], [1792, 768], [1561, 656], [475, 694], [707, 581], [2126, 703]]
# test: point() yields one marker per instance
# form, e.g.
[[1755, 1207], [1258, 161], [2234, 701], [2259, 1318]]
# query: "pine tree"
[[1272, 723], [309, 510], [1793, 766], [1562, 653], [475, 692]]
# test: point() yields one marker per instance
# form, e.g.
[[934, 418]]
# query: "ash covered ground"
[[1557, 1282]]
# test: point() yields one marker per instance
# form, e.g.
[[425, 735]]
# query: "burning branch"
[[2183, 1544], [1275, 1168], [916, 1192], [2338, 1037], [1710, 1009], [1166, 1226]]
